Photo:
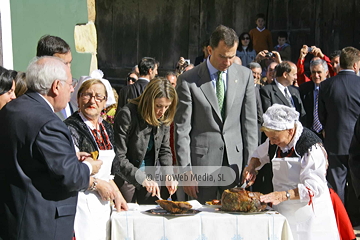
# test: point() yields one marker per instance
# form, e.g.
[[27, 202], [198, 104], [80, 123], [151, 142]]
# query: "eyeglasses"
[[131, 79], [74, 82], [245, 38], [88, 96]]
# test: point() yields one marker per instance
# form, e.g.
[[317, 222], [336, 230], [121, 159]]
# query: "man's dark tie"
[[316, 123]]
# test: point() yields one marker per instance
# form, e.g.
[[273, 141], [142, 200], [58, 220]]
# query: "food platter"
[[209, 204], [266, 211], [163, 212]]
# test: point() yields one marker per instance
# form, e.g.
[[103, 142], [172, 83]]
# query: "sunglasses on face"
[[131, 79], [245, 38]]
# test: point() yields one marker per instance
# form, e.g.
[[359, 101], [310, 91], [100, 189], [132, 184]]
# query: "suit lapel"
[[208, 89], [232, 84], [280, 95]]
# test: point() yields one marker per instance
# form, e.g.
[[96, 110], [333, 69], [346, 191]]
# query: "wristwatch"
[[93, 186], [287, 195]]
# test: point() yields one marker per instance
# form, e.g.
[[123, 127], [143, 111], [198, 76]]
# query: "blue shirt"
[[214, 74]]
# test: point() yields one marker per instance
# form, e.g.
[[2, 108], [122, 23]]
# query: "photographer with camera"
[[318, 54]]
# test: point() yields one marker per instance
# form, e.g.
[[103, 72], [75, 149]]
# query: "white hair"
[[43, 71], [319, 62], [280, 117]]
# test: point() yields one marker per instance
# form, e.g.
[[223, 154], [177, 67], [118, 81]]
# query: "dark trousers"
[[340, 179], [208, 193]]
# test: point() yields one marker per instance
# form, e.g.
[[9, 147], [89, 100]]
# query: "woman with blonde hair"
[[142, 133]]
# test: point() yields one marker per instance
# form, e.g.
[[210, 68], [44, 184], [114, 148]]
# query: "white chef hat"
[[280, 117], [96, 74]]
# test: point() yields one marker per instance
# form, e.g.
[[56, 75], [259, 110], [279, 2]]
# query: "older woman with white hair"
[[299, 163], [93, 135]]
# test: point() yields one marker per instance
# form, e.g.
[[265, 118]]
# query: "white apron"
[[92, 219], [307, 222]]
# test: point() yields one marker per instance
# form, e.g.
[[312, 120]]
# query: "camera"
[[269, 54], [310, 49]]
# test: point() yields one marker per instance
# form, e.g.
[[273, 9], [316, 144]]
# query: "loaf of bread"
[[240, 200]]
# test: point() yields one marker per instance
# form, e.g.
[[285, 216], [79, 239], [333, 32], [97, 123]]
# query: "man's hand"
[[277, 57], [317, 52], [105, 190], [96, 165], [82, 156]]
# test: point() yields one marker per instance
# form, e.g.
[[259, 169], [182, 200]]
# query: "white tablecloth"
[[206, 225]]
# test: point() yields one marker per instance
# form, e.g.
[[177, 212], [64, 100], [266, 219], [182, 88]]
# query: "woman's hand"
[[275, 197], [152, 187], [249, 172], [171, 184], [119, 200]]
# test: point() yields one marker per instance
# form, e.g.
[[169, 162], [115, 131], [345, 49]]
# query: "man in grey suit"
[[210, 131]]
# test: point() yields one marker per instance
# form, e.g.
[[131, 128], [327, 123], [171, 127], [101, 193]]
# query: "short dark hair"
[[6, 79], [282, 67], [335, 53], [223, 33], [49, 45], [205, 43], [250, 46], [260, 15], [283, 34], [145, 64], [349, 56], [131, 72]]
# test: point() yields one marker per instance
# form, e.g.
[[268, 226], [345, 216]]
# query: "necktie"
[[316, 123], [63, 111], [288, 97], [220, 94]]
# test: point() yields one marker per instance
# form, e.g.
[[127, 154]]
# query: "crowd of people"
[[75, 149]]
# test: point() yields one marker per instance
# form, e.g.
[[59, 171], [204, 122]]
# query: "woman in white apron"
[[299, 168], [90, 134]]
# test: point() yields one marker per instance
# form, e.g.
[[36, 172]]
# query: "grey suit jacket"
[[132, 136], [202, 137]]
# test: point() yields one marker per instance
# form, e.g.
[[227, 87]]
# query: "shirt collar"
[[212, 69], [144, 79], [279, 85], [51, 106], [260, 30]]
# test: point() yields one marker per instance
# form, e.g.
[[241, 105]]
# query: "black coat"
[[271, 94], [40, 175], [339, 108]]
